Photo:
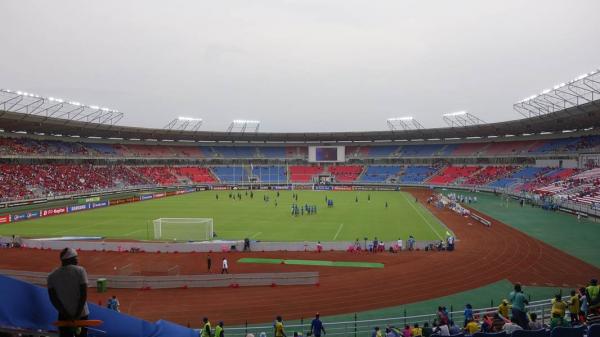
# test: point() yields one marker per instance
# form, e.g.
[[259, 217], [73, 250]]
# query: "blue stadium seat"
[[416, 174], [270, 174], [382, 151], [531, 333], [379, 173], [566, 332], [231, 174], [421, 150], [272, 152]]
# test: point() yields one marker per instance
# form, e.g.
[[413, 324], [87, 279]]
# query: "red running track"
[[483, 256]]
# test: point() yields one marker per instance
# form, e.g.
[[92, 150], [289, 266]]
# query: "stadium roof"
[[581, 117]]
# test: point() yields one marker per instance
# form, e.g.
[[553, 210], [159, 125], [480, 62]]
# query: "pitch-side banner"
[[4, 219], [25, 216]]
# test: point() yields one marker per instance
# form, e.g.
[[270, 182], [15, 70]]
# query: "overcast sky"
[[297, 65]]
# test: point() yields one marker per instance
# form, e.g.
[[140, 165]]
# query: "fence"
[[181, 281], [358, 327], [207, 246]]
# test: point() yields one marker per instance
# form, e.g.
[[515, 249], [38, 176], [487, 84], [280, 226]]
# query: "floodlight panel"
[[457, 113]]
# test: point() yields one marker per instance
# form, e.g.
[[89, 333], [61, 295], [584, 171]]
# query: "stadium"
[[368, 231]]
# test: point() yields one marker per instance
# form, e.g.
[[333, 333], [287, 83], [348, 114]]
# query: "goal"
[[183, 229]]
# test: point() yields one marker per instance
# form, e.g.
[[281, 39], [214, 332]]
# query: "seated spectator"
[[406, 332], [454, 330], [416, 331], [486, 326], [376, 332], [534, 324], [471, 327], [441, 329], [395, 332], [510, 327], [427, 331], [497, 323]]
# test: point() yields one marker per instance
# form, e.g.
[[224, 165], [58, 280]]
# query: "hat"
[[505, 301], [68, 253]]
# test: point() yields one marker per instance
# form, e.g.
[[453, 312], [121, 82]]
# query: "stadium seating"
[[417, 174], [196, 174], [357, 151], [33, 147], [553, 145], [488, 174], [469, 149], [345, 173], [272, 152], [231, 174], [530, 333], [508, 148], [420, 150], [270, 174], [382, 151], [566, 332], [451, 174], [160, 175], [378, 173], [304, 174], [102, 149]]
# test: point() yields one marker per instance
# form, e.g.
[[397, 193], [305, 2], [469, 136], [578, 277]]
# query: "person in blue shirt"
[[468, 313], [316, 326]]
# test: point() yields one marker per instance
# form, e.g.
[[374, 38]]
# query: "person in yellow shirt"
[[416, 331], [574, 304], [206, 330], [472, 327], [279, 331], [559, 307], [504, 308]]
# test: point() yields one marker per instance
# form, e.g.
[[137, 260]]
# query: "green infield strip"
[[313, 262]]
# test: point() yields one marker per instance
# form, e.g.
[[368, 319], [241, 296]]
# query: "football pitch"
[[253, 218]]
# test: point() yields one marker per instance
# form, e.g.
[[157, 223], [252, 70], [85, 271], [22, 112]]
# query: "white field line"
[[133, 232], [255, 235], [338, 231], [423, 217]]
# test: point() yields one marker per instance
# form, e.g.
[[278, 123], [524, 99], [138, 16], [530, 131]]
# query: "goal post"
[[183, 229]]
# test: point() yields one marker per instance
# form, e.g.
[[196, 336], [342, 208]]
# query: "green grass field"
[[253, 218]]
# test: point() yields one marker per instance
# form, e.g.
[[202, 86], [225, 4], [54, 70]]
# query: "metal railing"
[[358, 327]]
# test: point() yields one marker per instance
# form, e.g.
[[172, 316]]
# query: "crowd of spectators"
[[511, 315]]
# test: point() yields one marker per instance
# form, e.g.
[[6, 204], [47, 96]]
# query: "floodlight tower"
[[28, 103], [403, 123], [184, 124], [241, 125], [461, 118], [583, 89]]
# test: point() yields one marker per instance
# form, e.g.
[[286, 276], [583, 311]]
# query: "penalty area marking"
[[338, 231]]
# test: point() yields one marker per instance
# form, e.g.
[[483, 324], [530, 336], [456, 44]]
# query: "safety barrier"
[[208, 246], [183, 281], [357, 327]]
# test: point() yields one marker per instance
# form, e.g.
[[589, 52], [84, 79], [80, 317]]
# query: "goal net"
[[183, 229]]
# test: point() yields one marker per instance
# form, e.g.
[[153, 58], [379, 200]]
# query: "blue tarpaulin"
[[27, 306]]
